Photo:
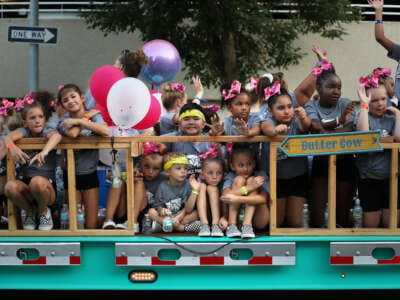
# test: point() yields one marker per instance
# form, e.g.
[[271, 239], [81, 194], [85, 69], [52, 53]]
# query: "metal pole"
[[33, 48]]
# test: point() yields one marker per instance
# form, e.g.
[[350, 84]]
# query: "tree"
[[222, 40]]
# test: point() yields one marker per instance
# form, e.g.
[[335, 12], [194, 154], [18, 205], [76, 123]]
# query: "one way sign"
[[33, 35]]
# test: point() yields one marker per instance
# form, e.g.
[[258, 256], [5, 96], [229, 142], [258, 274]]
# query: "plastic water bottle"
[[305, 216], [241, 213], [116, 175], [168, 224], [80, 216], [23, 215], [64, 217], [147, 224], [357, 213], [326, 215], [59, 179]]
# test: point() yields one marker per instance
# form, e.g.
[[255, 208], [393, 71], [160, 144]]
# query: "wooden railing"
[[132, 147]]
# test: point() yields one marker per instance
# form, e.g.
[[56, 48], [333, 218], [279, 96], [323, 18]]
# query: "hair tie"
[[272, 90], [61, 86], [178, 87], [212, 107], [321, 66]]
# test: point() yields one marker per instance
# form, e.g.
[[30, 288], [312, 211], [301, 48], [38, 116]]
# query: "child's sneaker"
[[109, 224], [233, 231], [123, 225], [247, 232], [216, 231], [155, 227], [193, 227], [30, 223], [204, 230], [46, 222]]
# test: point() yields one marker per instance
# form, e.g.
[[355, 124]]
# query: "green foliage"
[[222, 40]]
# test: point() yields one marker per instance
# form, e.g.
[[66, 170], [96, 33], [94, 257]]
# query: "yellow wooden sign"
[[335, 143]]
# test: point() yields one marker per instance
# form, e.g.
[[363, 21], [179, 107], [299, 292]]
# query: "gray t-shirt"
[[228, 180], [86, 160], [167, 123], [288, 167], [152, 186], [376, 165], [48, 169], [172, 197]]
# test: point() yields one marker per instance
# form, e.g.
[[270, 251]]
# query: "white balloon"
[[128, 102]]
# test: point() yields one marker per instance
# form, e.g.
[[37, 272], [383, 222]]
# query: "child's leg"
[[19, 194], [43, 193], [91, 202], [280, 211], [202, 204], [140, 200], [189, 218], [238, 182], [213, 198], [261, 216], [372, 219], [294, 212], [320, 196]]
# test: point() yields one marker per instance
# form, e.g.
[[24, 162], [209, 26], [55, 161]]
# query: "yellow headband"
[[179, 160], [192, 113]]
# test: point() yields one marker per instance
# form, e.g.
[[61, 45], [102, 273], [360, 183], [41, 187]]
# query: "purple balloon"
[[164, 62]]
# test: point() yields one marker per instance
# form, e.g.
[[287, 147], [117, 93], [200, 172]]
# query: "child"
[[374, 167], [78, 123], [392, 48], [330, 114], [191, 123], [243, 185], [212, 172], [292, 177], [176, 196], [36, 192], [383, 75]]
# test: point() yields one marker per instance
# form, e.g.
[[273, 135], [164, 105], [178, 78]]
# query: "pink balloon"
[[104, 113], [152, 116], [101, 81]]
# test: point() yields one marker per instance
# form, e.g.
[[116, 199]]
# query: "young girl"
[[384, 78], [176, 196], [78, 123], [330, 114], [212, 172], [374, 167], [292, 177], [244, 185], [36, 192]]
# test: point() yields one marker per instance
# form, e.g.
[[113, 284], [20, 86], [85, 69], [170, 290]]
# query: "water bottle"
[[80, 216], [305, 216], [147, 224], [357, 213], [59, 179], [168, 224], [241, 213], [64, 217], [326, 216], [116, 175], [23, 215]]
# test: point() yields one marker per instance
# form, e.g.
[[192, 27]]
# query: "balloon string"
[[113, 151]]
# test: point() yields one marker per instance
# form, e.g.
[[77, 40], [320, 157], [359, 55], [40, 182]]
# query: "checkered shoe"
[[216, 231], [204, 230], [46, 222], [233, 231], [193, 227], [247, 232]]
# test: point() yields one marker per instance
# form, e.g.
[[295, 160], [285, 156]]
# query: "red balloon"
[[101, 82], [104, 113], [152, 116]]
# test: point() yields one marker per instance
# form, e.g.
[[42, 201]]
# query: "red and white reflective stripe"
[[363, 260], [204, 261], [42, 260]]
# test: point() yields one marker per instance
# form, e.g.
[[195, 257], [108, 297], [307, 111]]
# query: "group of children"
[[215, 189]]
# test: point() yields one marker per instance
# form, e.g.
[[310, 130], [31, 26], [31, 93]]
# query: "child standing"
[[78, 123], [330, 114], [374, 167], [177, 195], [292, 172], [212, 172], [245, 186], [36, 192]]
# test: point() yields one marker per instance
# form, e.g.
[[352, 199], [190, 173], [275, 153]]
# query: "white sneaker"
[[122, 225], [46, 222], [30, 223], [109, 224]]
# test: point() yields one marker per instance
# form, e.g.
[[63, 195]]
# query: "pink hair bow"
[[178, 87], [233, 92], [7, 104], [211, 153], [150, 148], [369, 81], [272, 90], [3, 111], [28, 99], [384, 72], [320, 67], [254, 82], [19, 104], [213, 107], [60, 87], [229, 147]]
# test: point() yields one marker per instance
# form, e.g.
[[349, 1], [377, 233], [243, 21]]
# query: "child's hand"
[[300, 113], [392, 110], [194, 183], [255, 182], [216, 126], [18, 155], [347, 112], [164, 212], [71, 122], [138, 175], [229, 198], [317, 50], [40, 158], [223, 223], [363, 95], [376, 4], [282, 129], [241, 126], [198, 87]]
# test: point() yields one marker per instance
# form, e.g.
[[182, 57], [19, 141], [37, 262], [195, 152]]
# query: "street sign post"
[[335, 143], [33, 35]]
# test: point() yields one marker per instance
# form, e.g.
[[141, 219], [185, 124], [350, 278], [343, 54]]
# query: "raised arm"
[[363, 123], [379, 32]]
